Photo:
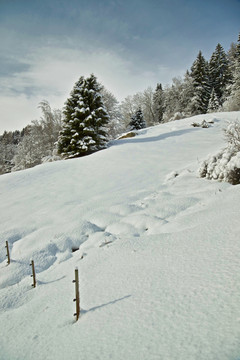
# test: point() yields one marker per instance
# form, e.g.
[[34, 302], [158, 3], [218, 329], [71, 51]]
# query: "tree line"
[[92, 115]]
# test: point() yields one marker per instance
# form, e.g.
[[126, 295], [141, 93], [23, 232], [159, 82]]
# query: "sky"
[[46, 45]]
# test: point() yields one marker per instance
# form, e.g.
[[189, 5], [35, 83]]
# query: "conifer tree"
[[158, 104], [232, 56], [137, 121], [85, 120], [233, 101], [219, 72], [213, 104], [201, 86]]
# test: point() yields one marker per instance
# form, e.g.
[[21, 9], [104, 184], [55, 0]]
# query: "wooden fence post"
[[8, 254], [33, 274], [77, 299]]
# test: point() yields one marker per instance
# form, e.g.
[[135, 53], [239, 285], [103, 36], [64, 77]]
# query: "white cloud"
[[17, 112], [52, 73]]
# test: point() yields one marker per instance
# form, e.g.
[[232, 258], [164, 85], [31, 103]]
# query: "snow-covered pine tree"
[[158, 103], [137, 121], [85, 119], [232, 55], [233, 100], [201, 86], [219, 72], [213, 104]]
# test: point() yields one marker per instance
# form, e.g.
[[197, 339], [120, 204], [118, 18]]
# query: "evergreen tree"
[[232, 55], [158, 104], [137, 121], [85, 120], [219, 72], [238, 46], [132, 103], [201, 95], [233, 101], [213, 104]]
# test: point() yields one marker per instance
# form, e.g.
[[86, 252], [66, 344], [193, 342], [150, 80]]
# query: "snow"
[[158, 259], [80, 109]]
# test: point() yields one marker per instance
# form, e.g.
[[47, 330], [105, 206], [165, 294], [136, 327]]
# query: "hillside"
[[158, 259]]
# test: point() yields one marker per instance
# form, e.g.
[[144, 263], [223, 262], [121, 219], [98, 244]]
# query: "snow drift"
[[158, 252]]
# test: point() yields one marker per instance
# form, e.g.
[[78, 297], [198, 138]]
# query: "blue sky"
[[46, 45]]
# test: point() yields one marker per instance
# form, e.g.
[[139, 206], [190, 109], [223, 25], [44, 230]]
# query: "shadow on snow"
[[160, 137]]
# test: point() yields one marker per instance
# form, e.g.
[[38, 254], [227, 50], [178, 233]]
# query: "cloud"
[[46, 46], [17, 112], [50, 73]]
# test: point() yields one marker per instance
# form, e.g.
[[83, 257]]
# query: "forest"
[[92, 116]]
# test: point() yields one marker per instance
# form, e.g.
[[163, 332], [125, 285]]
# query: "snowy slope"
[[158, 260]]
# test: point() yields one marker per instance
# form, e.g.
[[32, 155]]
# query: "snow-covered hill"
[[158, 259]]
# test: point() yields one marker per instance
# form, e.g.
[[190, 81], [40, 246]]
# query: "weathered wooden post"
[[33, 274], [8, 254], [77, 299]]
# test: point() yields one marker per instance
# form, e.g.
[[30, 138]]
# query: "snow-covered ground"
[[158, 260]]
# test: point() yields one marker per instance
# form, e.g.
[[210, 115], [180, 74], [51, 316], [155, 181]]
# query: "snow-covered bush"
[[177, 116], [204, 124], [53, 157], [232, 134], [225, 166]]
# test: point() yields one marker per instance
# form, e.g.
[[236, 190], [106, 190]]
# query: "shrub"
[[204, 124], [232, 134], [225, 166]]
